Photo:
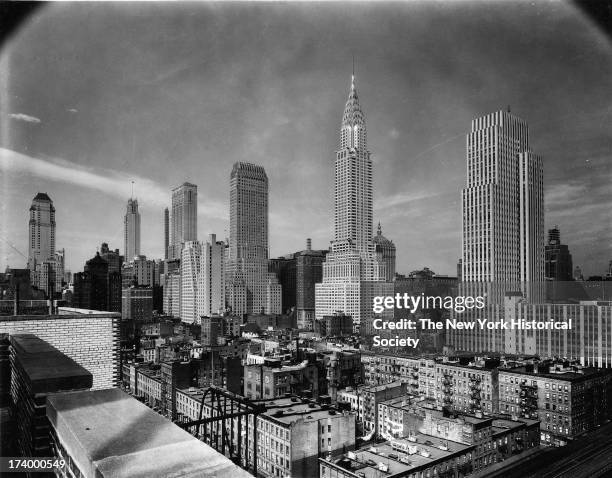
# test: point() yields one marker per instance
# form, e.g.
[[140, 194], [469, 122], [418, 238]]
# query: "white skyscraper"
[[211, 281], [131, 230], [183, 218], [353, 272], [503, 224], [190, 273], [503, 208], [247, 267]]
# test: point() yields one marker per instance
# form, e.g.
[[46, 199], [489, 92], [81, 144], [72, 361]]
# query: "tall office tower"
[[184, 218], [387, 248], [41, 236], [353, 272], [211, 281], [131, 230], [166, 232], [308, 272], [190, 272], [558, 260], [503, 208], [503, 223], [248, 243]]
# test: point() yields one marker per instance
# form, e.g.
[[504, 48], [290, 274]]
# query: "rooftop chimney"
[[308, 244]]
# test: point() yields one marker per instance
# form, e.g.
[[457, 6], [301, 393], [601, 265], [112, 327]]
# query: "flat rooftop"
[[426, 451], [569, 376], [110, 434]]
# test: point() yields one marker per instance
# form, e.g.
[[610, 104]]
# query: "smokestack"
[[308, 244]]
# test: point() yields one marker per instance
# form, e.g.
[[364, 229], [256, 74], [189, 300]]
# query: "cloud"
[[72, 110], [401, 199], [107, 181], [24, 117], [394, 134]]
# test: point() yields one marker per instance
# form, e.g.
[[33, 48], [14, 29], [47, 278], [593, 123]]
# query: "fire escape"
[[528, 396], [414, 379], [474, 392], [226, 429], [447, 391]]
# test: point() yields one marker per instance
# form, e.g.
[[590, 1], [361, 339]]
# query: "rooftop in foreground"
[[110, 434]]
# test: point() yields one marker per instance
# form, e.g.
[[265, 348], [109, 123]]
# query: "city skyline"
[[83, 145]]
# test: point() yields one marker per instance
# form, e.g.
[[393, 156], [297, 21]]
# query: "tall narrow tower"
[[247, 266], [166, 232], [353, 271], [41, 237], [131, 230], [184, 218]]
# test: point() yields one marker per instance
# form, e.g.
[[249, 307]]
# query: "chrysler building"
[[353, 272]]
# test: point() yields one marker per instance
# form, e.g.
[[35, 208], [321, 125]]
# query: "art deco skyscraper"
[[248, 243], [131, 230], [353, 271], [503, 223], [503, 207], [45, 263], [184, 218], [41, 237]]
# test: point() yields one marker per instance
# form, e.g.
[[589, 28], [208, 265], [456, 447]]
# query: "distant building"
[[285, 270], [190, 272], [166, 232], [503, 208], [211, 279], [557, 260], [131, 230], [45, 263], [41, 237], [96, 288], [183, 219], [137, 303], [172, 293], [353, 271], [212, 329], [387, 249], [247, 275], [337, 325], [309, 271], [140, 271]]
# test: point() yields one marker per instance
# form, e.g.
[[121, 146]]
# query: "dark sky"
[[95, 95]]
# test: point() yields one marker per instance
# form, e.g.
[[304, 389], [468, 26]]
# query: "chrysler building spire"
[[353, 129]]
